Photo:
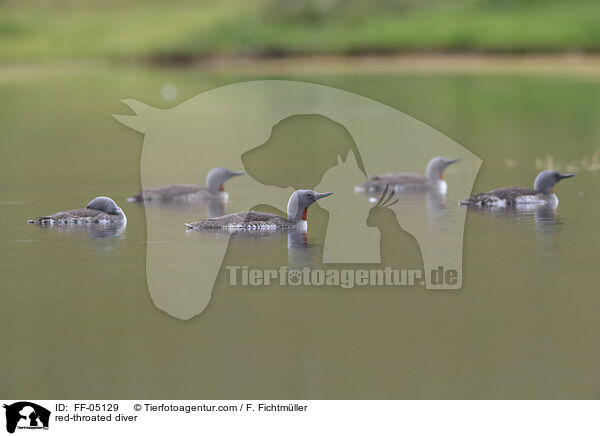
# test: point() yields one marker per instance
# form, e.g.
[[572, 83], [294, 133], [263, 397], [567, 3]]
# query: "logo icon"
[[26, 415]]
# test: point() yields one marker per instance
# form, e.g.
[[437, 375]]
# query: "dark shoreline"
[[416, 62], [432, 63]]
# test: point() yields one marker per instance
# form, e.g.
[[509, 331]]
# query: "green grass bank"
[[183, 30]]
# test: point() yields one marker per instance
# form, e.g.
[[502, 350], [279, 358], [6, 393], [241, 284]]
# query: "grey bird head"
[[104, 204], [217, 176], [546, 180], [436, 166], [300, 201]]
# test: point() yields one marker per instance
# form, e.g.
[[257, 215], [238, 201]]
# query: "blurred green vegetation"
[[180, 30]]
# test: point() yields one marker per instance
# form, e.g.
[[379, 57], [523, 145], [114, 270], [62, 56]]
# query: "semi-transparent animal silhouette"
[[221, 125]]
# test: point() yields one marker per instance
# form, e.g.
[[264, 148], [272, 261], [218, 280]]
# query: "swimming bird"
[[297, 209], [409, 182], [214, 189], [100, 210], [541, 194]]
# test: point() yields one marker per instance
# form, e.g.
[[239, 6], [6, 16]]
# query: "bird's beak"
[[566, 176], [237, 173], [451, 161], [319, 196]]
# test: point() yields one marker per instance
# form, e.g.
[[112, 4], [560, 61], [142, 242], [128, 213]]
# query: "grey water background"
[[78, 321]]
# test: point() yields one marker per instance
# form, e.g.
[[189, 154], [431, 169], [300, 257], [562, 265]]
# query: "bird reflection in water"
[[209, 208], [93, 230]]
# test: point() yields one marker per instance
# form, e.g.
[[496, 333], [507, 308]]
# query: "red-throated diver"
[[409, 182], [214, 189], [541, 194], [100, 210], [296, 216]]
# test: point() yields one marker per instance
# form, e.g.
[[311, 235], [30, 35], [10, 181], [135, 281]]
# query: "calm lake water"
[[78, 320]]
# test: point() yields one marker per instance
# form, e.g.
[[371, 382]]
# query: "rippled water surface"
[[79, 322]]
